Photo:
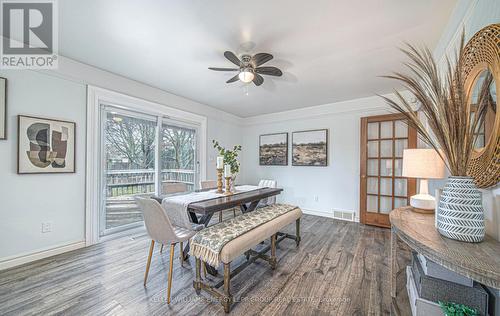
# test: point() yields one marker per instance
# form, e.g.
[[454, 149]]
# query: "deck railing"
[[132, 182], [123, 185]]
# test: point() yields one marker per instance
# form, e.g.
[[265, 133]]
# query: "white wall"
[[29, 200], [317, 190]]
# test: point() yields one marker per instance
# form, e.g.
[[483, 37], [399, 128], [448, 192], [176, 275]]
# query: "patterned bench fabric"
[[208, 243]]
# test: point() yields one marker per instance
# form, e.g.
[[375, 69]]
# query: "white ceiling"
[[329, 51]]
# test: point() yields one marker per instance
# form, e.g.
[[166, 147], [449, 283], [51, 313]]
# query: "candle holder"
[[219, 180], [228, 186]]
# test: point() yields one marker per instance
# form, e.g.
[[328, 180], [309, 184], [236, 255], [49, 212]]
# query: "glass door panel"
[[178, 159], [142, 155], [128, 153], [383, 139]]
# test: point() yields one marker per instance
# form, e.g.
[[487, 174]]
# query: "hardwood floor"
[[340, 268]]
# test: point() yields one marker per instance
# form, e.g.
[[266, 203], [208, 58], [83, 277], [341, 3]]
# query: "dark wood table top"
[[230, 201], [478, 261], [226, 202]]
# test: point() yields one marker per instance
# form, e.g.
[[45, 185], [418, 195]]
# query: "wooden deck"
[[340, 268]]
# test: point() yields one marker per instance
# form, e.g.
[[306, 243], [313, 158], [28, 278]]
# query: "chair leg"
[[172, 247], [181, 254], [204, 270], [234, 212], [220, 216], [161, 249], [148, 264]]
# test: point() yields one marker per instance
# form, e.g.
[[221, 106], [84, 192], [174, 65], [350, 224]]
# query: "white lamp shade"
[[423, 163]]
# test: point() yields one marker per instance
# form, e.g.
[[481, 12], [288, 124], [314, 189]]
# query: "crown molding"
[[365, 105]]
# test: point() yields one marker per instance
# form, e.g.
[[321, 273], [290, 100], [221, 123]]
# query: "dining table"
[[201, 212]]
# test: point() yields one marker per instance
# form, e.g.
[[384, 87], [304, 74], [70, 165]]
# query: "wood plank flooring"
[[340, 268]]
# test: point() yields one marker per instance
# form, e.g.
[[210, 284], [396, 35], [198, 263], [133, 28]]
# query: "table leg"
[[243, 208], [204, 220], [251, 207], [193, 217], [394, 262]]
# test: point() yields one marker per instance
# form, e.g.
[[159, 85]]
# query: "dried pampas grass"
[[444, 104]]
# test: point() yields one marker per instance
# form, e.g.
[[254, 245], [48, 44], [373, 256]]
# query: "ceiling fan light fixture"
[[246, 75]]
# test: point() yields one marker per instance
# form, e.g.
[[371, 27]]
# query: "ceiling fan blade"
[[258, 80], [235, 78], [261, 58], [270, 71], [223, 69], [232, 58]]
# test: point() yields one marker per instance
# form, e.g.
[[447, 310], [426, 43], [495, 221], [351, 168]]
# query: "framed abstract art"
[[45, 145]]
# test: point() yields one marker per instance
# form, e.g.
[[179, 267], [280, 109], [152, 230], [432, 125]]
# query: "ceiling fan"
[[248, 68]]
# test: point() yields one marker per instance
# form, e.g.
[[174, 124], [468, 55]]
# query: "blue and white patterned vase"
[[460, 213]]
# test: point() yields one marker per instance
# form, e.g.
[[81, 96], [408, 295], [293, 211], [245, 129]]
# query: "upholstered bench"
[[224, 242]]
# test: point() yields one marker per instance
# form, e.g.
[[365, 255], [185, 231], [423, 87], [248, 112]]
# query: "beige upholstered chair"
[[268, 184], [174, 187], [208, 184], [161, 230]]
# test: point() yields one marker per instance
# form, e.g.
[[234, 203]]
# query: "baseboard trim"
[[327, 214], [14, 261]]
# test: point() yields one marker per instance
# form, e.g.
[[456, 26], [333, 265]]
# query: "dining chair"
[[161, 230], [268, 184], [174, 187], [208, 184]]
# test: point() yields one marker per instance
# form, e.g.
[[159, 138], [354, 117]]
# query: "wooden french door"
[[383, 139]]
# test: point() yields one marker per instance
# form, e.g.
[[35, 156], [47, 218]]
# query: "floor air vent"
[[344, 215]]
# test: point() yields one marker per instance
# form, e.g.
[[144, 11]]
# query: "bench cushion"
[[239, 245]]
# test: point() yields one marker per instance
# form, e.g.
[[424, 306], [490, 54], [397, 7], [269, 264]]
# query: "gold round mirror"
[[481, 58]]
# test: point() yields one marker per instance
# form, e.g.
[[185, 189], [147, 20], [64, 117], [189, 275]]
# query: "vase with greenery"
[[230, 158], [444, 121]]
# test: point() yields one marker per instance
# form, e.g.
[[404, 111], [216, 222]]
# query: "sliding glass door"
[[142, 155], [178, 158]]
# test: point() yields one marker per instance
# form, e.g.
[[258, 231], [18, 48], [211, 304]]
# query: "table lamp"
[[423, 164]]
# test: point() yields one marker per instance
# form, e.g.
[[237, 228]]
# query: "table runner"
[[208, 243], [177, 205]]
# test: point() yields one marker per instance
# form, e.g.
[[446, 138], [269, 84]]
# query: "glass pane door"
[[128, 153], [178, 158], [383, 188]]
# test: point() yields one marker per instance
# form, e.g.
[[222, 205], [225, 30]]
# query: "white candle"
[[227, 171], [220, 162]]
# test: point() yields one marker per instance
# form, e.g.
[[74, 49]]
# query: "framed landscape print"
[[273, 149], [310, 148], [45, 145], [3, 108]]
